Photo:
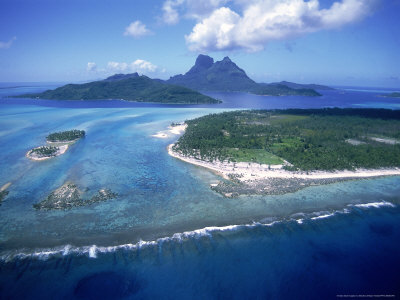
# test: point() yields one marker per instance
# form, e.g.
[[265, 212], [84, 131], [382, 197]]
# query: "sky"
[[342, 42]]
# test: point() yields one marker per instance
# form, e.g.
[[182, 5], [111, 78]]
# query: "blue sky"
[[342, 42]]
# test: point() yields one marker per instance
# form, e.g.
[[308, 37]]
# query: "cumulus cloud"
[[144, 66], [139, 65], [6, 45], [137, 29], [173, 10], [262, 21], [117, 66], [91, 67]]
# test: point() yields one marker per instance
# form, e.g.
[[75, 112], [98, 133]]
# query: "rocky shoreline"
[[258, 179], [69, 196], [271, 186]]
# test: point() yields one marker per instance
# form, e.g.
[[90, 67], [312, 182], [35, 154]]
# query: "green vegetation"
[[174, 124], [226, 76], [314, 139], [253, 155], [304, 86], [43, 151], [137, 88], [282, 90], [65, 136]]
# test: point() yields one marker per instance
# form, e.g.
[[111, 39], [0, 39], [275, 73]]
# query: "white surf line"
[[93, 250], [374, 204]]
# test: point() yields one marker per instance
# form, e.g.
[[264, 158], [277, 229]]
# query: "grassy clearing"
[[254, 155], [279, 119]]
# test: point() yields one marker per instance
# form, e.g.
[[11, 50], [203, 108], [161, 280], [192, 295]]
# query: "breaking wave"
[[93, 250]]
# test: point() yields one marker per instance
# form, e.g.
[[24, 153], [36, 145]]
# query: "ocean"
[[168, 235]]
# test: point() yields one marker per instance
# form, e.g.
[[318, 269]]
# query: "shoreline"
[[6, 186], [61, 145], [244, 171], [61, 150], [174, 130]]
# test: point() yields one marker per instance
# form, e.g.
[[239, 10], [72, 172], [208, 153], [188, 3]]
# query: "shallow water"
[[139, 236]]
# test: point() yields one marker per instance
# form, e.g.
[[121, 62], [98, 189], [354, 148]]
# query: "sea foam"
[[374, 204], [93, 250]]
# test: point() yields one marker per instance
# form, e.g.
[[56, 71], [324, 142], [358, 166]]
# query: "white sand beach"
[[6, 186], [172, 130], [244, 171], [61, 150]]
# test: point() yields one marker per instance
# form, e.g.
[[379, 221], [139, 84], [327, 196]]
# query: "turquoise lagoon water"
[[168, 235]]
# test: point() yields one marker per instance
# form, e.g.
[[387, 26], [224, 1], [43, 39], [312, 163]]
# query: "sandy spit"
[[172, 130], [61, 150]]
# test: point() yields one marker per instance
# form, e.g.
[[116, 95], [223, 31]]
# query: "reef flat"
[[69, 196]]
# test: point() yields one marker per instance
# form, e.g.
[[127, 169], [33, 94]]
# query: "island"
[[69, 196], [392, 95], [226, 76], [280, 151], [65, 136], [304, 86], [59, 143], [129, 87]]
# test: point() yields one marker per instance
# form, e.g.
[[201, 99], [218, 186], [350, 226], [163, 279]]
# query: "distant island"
[[226, 76], [269, 152], [293, 85], [205, 75], [129, 87], [60, 142], [392, 95]]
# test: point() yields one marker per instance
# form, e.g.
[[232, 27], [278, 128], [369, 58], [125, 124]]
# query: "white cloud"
[[143, 66], [139, 65], [117, 66], [174, 9], [262, 21], [137, 29], [6, 45], [170, 11], [91, 67]]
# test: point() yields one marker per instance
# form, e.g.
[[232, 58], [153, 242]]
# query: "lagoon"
[[155, 227]]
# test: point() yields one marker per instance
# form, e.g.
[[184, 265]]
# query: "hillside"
[[225, 75], [303, 86], [130, 87]]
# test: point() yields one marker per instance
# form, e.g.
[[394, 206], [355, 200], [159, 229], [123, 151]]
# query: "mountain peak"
[[225, 75], [222, 75], [203, 62]]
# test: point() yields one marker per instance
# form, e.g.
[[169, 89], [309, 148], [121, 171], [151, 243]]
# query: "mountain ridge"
[[130, 87], [225, 75]]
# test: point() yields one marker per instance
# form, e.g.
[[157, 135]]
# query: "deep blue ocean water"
[[168, 235]]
